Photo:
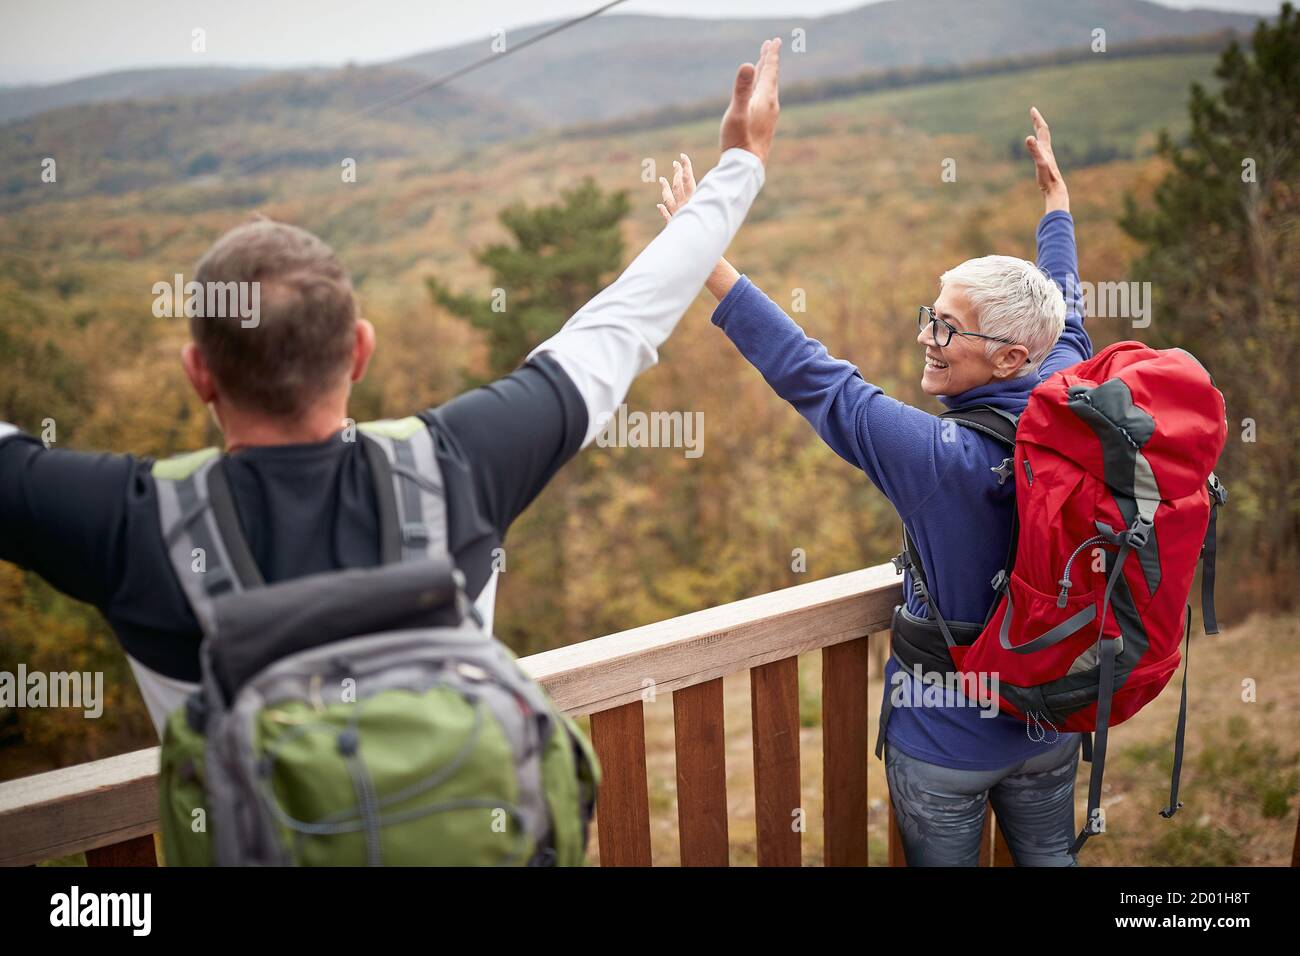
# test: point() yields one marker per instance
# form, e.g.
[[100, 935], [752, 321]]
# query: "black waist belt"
[[918, 642]]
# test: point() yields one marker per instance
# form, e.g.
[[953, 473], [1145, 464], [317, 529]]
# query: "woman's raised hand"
[[675, 195], [681, 189], [1050, 181]]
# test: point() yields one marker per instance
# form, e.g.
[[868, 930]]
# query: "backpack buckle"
[[1004, 470], [1000, 580], [899, 561], [1217, 491], [1137, 535]]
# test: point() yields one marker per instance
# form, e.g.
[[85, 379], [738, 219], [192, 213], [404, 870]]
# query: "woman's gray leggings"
[[940, 811]]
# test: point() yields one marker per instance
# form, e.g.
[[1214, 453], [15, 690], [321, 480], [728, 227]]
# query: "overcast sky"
[[44, 41]]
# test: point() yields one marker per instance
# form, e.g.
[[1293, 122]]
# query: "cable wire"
[[429, 85]]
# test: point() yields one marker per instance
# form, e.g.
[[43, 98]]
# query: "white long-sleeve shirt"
[[616, 336]]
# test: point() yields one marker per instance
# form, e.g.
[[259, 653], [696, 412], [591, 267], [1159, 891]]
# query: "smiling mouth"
[[934, 363]]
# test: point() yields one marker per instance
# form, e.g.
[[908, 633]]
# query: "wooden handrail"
[[609, 671], [81, 808], [106, 802]]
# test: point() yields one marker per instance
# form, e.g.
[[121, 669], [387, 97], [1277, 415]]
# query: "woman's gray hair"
[[1014, 300]]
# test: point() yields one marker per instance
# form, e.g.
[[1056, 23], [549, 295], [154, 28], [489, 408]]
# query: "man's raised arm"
[[616, 336]]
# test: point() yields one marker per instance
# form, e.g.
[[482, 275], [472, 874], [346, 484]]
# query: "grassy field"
[[1139, 97], [1241, 773]]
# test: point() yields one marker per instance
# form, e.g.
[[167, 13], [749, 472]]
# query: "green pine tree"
[[561, 255], [1219, 247]]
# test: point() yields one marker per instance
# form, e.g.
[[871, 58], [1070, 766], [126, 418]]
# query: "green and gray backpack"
[[362, 716]]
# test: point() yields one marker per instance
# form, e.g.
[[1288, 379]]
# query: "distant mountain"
[[18, 102], [288, 120], [151, 127], [615, 65]]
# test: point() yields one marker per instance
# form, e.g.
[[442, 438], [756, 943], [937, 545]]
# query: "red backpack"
[[1116, 500]]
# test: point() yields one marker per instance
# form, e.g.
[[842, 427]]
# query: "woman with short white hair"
[[997, 328]]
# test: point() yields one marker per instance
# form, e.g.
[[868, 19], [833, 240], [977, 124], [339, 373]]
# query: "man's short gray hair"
[[1014, 300]]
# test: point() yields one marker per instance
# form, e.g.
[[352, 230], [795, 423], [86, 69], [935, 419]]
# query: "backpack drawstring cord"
[[1035, 719]]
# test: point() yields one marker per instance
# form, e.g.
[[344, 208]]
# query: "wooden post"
[[774, 702], [701, 774], [138, 851], [623, 806], [1295, 849], [845, 752]]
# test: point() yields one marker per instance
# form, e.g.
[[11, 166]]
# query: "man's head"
[[1012, 313], [307, 345]]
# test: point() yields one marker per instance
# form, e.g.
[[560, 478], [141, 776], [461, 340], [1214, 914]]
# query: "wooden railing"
[[109, 808], [688, 656]]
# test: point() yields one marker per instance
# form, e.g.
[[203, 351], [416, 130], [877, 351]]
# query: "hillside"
[[306, 124], [649, 62], [18, 102], [854, 214], [290, 120], [212, 127]]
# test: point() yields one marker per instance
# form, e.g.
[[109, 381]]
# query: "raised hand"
[[750, 120], [1050, 181], [675, 195], [681, 189]]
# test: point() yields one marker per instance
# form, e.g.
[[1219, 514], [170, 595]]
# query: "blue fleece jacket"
[[945, 492]]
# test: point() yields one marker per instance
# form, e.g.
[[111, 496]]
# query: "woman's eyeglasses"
[[942, 332]]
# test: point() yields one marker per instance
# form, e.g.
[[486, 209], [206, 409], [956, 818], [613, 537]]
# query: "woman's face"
[[963, 363]]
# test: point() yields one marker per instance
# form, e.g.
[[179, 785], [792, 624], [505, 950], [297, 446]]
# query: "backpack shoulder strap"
[[408, 487], [201, 532], [1209, 550], [1002, 426], [996, 424], [985, 418]]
